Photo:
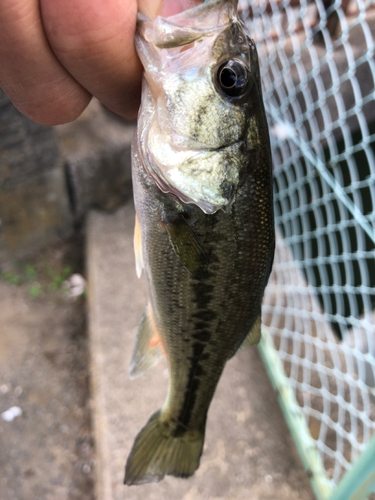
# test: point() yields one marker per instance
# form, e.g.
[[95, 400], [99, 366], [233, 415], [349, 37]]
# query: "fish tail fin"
[[160, 449]]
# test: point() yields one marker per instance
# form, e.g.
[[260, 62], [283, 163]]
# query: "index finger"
[[94, 41], [32, 77]]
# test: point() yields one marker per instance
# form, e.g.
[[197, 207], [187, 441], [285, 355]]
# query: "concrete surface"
[[248, 451], [96, 148], [46, 453], [34, 205], [51, 176], [34, 214]]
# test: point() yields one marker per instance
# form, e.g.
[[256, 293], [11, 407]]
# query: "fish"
[[204, 234]]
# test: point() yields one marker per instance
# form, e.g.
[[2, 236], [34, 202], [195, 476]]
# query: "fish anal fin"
[[187, 247], [253, 337], [148, 348], [138, 247]]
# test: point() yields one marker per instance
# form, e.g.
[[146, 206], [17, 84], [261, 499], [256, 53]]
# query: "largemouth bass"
[[204, 234]]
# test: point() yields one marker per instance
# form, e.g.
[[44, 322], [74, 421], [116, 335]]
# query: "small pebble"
[[268, 478], [11, 414], [18, 390], [86, 469], [4, 389], [75, 285]]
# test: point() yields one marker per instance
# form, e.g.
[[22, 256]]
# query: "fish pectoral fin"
[[187, 247], [253, 337], [148, 349], [138, 247]]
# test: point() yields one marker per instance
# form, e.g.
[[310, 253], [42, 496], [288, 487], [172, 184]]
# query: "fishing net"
[[318, 73]]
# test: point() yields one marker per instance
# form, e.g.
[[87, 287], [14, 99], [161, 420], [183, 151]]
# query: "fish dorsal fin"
[[253, 337], [187, 247], [138, 247], [148, 348]]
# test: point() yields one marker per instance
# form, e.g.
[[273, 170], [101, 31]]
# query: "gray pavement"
[[248, 451], [46, 453]]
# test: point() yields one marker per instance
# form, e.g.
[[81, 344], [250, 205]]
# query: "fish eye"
[[232, 76]]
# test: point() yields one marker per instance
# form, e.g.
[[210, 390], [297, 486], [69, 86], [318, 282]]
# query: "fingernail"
[[172, 7]]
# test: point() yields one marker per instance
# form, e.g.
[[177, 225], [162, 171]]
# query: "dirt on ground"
[[46, 446]]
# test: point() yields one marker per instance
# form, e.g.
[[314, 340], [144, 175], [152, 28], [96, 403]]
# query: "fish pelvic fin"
[[253, 337], [148, 349], [187, 247], [160, 450], [138, 247]]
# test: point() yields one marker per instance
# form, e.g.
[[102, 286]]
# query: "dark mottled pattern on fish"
[[204, 322]]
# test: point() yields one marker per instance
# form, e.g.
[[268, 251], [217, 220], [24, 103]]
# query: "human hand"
[[56, 54]]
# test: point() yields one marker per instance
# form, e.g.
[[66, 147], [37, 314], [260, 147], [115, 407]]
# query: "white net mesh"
[[318, 71]]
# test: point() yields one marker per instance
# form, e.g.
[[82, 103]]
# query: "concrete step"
[[248, 451]]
